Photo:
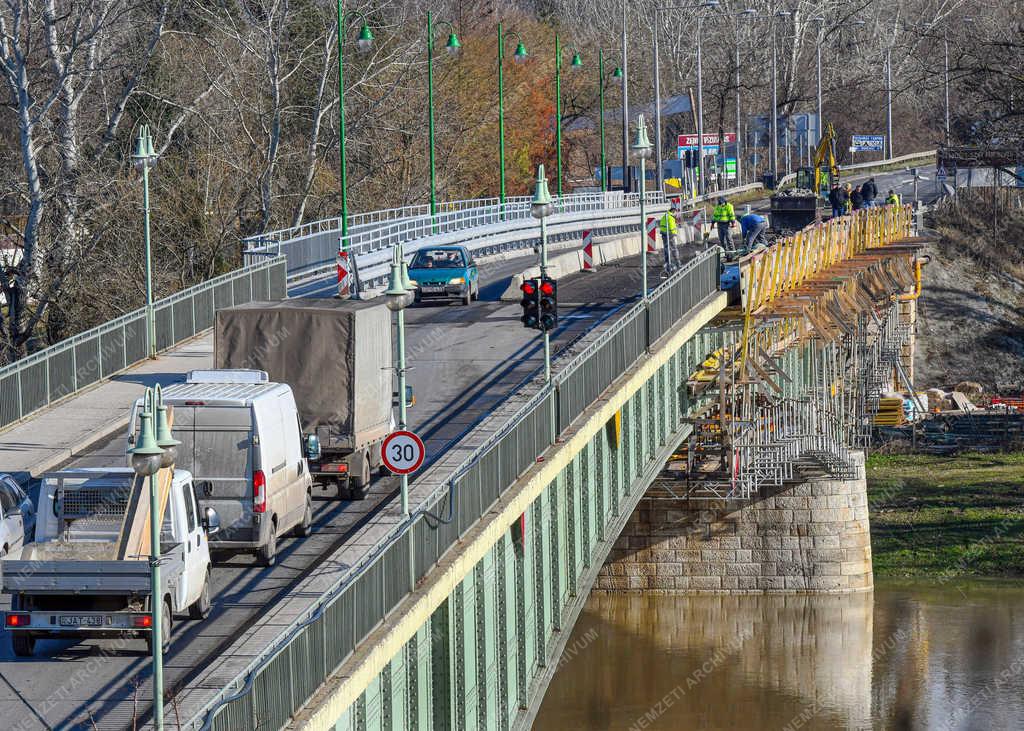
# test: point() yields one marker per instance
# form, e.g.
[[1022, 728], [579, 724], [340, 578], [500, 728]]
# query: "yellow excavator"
[[792, 210], [817, 178]]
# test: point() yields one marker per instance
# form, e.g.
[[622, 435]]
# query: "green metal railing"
[[83, 360], [280, 680]]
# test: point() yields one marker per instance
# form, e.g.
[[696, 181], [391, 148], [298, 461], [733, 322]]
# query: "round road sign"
[[402, 452]]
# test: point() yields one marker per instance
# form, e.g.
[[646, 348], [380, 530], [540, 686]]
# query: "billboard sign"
[[868, 143], [709, 139]]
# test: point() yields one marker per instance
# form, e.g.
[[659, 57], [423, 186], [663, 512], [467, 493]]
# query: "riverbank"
[[947, 517]]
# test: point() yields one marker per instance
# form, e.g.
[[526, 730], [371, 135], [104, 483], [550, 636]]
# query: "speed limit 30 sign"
[[402, 452]]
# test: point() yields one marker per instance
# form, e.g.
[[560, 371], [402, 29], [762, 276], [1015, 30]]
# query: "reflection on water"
[[907, 656]]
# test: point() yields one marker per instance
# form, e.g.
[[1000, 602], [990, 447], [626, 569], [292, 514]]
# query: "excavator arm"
[[826, 148]]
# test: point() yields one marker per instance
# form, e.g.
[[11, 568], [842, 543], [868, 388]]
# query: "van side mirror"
[[313, 447], [211, 521], [410, 397]]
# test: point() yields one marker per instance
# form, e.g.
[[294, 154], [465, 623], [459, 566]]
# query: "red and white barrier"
[[588, 251], [344, 275], [652, 234]]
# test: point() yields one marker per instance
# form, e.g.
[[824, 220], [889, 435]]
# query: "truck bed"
[[86, 577]]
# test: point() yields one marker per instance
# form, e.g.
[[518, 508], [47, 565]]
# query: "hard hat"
[[721, 199]]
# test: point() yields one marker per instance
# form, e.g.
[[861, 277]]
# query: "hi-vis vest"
[[667, 223], [892, 199], [724, 213]]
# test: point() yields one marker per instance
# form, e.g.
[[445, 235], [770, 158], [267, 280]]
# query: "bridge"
[[678, 402]]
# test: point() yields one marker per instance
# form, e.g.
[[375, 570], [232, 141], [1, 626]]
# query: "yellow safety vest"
[[892, 200], [668, 223], [724, 213]]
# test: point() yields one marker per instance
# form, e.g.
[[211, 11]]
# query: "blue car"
[[445, 273]]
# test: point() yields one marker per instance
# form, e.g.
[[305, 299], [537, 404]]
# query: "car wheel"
[[23, 644], [165, 630], [360, 482], [201, 608], [267, 555], [306, 526]]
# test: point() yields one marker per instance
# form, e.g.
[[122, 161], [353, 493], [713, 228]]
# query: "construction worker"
[[870, 192], [837, 199], [892, 199], [753, 226], [669, 231], [848, 205], [857, 199], [725, 218]]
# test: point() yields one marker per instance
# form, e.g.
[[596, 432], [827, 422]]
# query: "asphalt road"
[[463, 361]]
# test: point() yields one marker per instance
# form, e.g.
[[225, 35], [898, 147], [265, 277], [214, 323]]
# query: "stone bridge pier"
[[808, 535]]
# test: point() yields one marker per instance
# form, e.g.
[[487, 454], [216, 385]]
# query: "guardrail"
[[313, 252], [789, 178], [83, 360], [282, 678]]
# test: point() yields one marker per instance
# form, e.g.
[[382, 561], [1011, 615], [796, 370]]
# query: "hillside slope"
[[971, 315]]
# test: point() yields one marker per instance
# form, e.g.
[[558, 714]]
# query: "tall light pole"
[[397, 297], [364, 43], [749, 12], [144, 158], [540, 208], [774, 142], [617, 76], [519, 56], [453, 46], [642, 150], [888, 99], [820, 20], [706, 5], [625, 100], [152, 454], [945, 82], [575, 64]]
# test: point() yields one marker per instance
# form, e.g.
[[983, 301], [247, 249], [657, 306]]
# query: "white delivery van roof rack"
[[228, 375]]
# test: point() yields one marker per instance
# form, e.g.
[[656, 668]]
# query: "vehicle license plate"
[[81, 621], [433, 289]]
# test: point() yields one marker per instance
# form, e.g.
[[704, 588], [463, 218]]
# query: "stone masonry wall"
[[809, 537]]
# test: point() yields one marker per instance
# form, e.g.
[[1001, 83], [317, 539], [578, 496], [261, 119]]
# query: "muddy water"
[[906, 656]]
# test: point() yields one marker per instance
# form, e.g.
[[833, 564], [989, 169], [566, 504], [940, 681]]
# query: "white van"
[[242, 443]]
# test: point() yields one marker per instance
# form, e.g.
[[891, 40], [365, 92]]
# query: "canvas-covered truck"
[[87, 573], [336, 355]]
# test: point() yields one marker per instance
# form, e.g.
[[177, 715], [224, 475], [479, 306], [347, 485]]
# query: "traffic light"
[[530, 304], [548, 305]]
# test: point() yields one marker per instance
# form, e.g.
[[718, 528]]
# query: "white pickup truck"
[[71, 582]]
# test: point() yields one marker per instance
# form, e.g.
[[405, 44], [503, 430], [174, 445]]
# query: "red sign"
[[709, 139], [402, 452]]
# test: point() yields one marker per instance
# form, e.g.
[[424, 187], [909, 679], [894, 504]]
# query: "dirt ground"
[[971, 314]]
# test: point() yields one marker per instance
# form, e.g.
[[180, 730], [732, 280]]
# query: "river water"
[[905, 656]]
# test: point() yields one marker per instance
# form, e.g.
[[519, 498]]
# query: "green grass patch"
[[947, 517]]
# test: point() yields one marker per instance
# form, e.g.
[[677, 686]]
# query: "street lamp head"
[[617, 75], [396, 293], [642, 144], [164, 439], [143, 157], [147, 456], [520, 55], [577, 62], [453, 45], [540, 206], [365, 40]]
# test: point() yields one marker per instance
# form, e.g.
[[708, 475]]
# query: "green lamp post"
[[454, 48], [519, 56], [364, 43], [147, 459], [641, 149], [397, 299], [617, 78], [540, 208], [144, 159], [576, 64]]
